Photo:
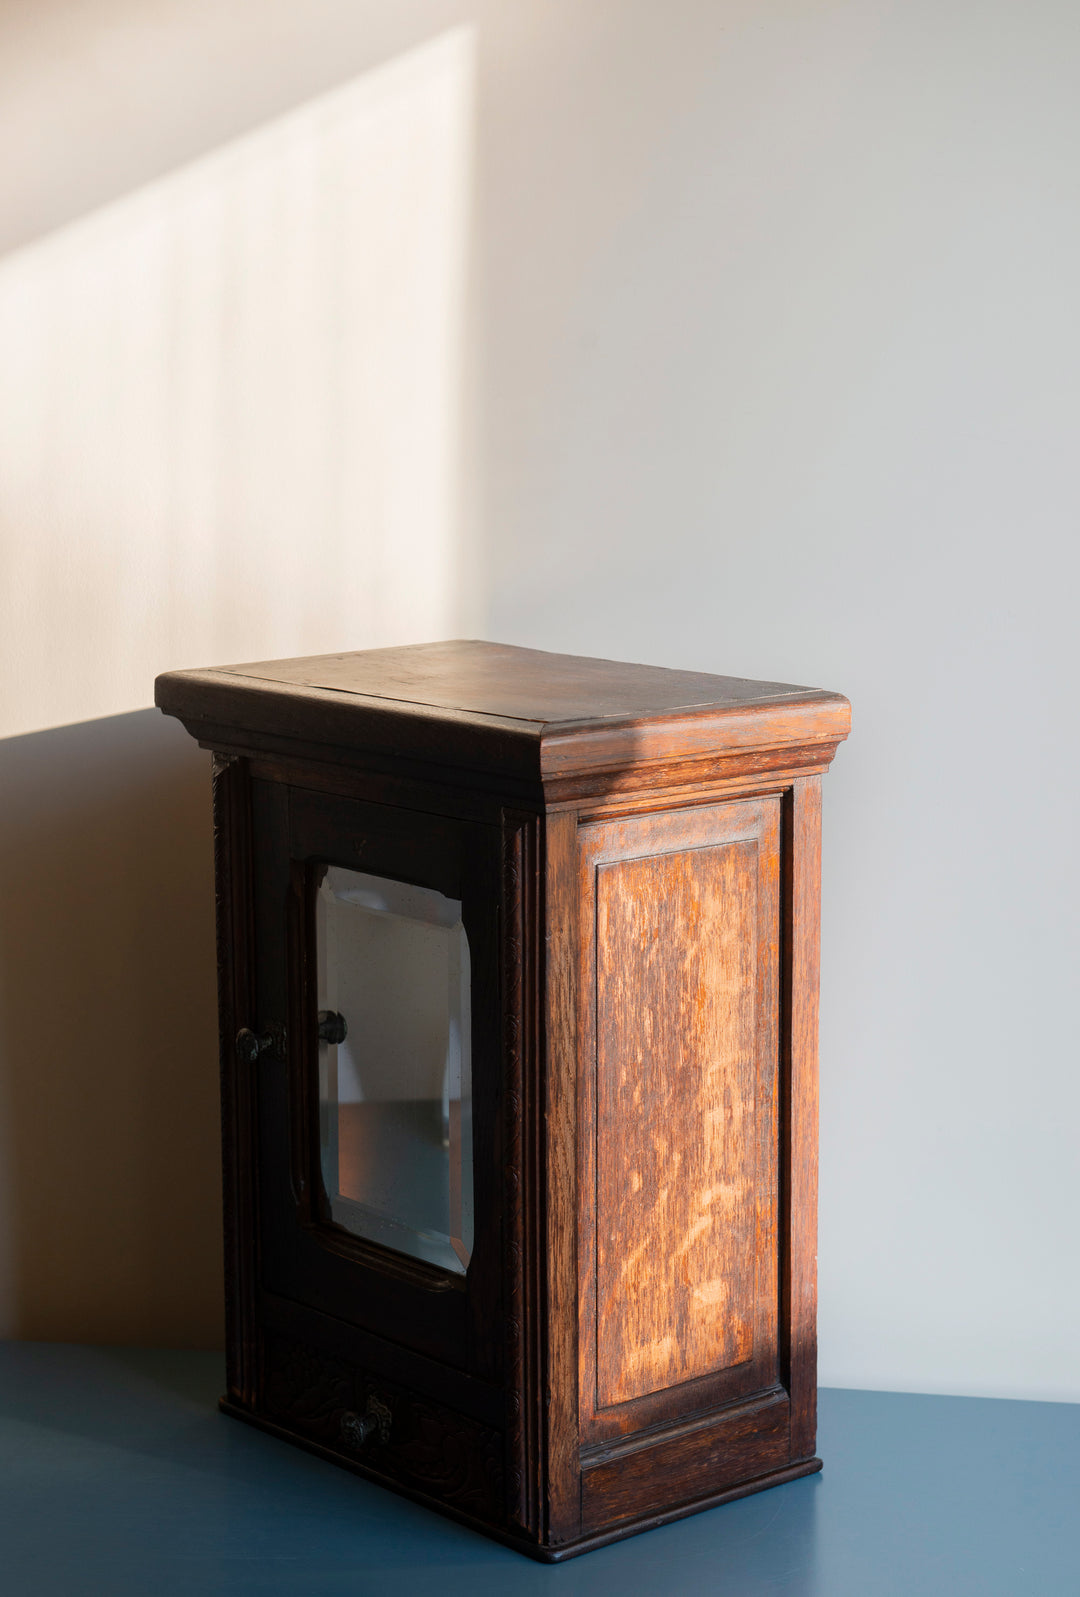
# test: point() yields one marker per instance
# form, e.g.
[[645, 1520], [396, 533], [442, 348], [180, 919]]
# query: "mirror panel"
[[395, 1076]]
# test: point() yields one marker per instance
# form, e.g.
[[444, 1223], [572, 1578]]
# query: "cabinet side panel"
[[676, 1026]]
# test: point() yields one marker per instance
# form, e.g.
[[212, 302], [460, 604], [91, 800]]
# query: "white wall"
[[795, 358], [769, 365]]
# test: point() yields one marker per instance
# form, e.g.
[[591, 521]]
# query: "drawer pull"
[[358, 1429]]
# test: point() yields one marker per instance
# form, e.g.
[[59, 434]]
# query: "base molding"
[[643, 1522], [553, 1554]]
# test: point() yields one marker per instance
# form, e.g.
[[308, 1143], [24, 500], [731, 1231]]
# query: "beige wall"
[[730, 334], [109, 1184]]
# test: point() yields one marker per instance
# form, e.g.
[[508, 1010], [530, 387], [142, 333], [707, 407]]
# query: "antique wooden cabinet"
[[518, 960]]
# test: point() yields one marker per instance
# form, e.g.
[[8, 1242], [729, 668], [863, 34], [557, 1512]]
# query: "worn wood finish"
[[500, 711], [675, 1200], [637, 855], [500, 680], [678, 1282], [559, 1181], [748, 1441], [674, 783]]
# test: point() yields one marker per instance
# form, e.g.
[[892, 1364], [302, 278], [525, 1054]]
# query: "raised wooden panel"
[[676, 938], [679, 1155]]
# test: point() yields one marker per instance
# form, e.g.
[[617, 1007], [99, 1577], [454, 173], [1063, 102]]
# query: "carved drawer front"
[[679, 1154], [384, 1428]]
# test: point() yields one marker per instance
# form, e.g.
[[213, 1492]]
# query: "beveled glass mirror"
[[395, 1076]]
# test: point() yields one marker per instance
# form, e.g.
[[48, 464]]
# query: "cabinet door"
[[376, 933], [679, 1292]]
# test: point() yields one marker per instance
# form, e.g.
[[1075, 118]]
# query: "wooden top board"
[[520, 684], [484, 691]]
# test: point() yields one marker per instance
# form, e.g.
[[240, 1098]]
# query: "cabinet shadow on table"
[[110, 1225]]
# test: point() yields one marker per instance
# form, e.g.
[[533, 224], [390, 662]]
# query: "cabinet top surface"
[[531, 685], [491, 705]]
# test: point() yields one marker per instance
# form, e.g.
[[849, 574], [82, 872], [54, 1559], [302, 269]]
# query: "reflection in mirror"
[[395, 1089]]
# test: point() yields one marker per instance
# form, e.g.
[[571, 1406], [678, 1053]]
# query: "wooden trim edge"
[[534, 1550]]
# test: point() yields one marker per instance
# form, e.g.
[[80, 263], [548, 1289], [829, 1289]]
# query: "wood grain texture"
[[499, 679], [519, 713], [701, 1459], [804, 853], [678, 1151], [559, 1181], [676, 979], [689, 779], [610, 746]]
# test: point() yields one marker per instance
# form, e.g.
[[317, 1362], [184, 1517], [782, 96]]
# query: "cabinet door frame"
[[434, 1312]]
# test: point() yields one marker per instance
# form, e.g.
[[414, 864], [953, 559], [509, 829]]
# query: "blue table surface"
[[118, 1476]]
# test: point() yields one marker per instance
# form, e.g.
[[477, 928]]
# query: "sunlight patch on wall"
[[231, 403]]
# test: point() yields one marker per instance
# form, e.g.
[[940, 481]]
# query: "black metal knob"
[[356, 1429], [250, 1044], [332, 1027]]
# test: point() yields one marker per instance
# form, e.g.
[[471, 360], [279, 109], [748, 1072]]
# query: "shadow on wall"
[[110, 1225]]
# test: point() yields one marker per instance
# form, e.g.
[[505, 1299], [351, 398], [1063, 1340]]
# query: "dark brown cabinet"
[[518, 991]]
